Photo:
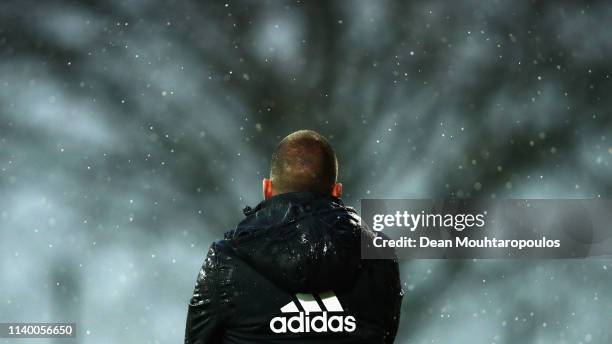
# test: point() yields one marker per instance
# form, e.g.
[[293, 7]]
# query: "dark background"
[[132, 133]]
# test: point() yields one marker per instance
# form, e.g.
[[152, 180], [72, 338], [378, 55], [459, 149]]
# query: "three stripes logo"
[[313, 313]]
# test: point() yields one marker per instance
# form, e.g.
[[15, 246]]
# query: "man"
[[291, 270]]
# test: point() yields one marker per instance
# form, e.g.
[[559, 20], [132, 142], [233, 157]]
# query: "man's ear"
[[337, 190], [267, 188]]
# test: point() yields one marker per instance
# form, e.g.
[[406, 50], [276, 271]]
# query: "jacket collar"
[[281, 209], [290, 198]]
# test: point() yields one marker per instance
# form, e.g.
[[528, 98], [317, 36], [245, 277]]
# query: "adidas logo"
[[315, 313]]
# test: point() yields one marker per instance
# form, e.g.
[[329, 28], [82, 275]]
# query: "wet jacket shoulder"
[[208, 308], [291, 271]]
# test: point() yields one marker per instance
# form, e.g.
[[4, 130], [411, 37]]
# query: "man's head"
[[303, 161]]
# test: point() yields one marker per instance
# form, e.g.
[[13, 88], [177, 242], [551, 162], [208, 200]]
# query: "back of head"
[[303, 161]]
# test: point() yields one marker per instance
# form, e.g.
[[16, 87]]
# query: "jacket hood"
[[302, 241]]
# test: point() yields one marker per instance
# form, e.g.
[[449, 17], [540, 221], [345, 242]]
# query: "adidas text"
[[317, 314], [321, 323]]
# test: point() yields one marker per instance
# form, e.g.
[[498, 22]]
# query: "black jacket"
[[291, 272]]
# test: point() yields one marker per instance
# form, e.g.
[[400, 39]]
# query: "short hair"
[[303, 161]]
